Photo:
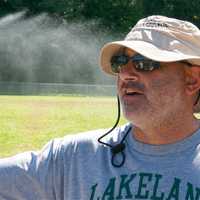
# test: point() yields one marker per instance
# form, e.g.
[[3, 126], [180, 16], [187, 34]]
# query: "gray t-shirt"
[[77, 167]]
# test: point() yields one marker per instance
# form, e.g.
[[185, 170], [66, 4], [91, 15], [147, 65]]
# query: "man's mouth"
[[132, 92]]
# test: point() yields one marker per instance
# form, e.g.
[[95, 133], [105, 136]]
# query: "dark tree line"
[[117, 15]]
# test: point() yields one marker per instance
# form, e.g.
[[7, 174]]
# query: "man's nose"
[[128, 72]]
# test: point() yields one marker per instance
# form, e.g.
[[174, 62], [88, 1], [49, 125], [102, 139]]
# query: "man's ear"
[[193, 80]]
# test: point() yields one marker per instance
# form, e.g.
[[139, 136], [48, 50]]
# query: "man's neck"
[[166, 133]]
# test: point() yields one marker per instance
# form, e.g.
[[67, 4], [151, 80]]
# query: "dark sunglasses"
[[141, 63]]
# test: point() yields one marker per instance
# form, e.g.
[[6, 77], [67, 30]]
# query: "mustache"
[[135, 85]]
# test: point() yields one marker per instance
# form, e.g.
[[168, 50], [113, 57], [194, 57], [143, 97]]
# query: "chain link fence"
[[23, 88]]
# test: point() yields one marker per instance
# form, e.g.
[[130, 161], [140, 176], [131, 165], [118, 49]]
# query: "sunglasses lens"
[[118, 61], [146, 65]]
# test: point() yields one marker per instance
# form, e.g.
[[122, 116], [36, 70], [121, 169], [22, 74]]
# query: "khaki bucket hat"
[[159, 38]]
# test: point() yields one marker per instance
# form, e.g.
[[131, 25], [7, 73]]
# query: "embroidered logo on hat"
[[152, 24]]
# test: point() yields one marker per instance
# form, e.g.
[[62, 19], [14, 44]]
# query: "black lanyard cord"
[[198, 97], [117, 121], [119, 148]]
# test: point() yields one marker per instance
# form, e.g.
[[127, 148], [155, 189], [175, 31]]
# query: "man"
[[156, 156]]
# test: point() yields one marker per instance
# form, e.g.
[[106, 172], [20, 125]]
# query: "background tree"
[[114, 15]]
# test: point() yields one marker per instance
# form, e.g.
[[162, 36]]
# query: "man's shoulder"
[[93, 135], [90, 138]]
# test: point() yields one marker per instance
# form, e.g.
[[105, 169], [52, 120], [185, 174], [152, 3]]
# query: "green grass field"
[[28, 122]]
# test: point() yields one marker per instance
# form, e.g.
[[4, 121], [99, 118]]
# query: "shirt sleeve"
[[33, 175]]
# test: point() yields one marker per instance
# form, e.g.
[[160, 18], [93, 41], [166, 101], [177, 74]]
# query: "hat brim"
[[144, 48]]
